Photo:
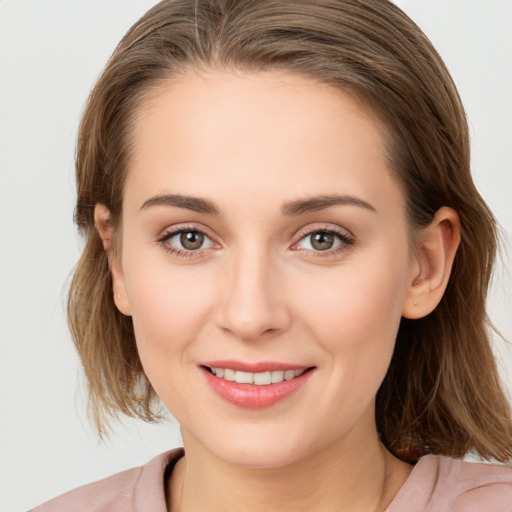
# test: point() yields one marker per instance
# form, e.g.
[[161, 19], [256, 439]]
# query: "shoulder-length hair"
[[442, 393]]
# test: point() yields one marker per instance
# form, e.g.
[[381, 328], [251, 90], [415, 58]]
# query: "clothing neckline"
[[410, 495]]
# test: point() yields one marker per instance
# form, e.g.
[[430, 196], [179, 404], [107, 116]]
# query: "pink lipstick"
[[254, 385]]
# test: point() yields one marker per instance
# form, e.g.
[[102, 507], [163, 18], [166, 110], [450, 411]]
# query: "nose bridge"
[[253, 303]]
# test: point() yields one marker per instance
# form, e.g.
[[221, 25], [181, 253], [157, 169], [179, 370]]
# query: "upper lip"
[[258, 367]]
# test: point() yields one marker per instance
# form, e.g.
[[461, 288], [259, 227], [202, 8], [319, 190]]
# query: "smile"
[[258, 379], [255, 386]]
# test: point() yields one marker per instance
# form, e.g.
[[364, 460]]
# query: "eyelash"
[[182, 253], [345, 241]]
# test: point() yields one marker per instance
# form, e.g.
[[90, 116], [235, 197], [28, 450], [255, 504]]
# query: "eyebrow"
[[290, 208], [195, 204], [315, 204]]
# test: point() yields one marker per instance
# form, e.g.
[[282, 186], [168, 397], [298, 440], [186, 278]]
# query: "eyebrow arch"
[[314, 204], [195, 204]]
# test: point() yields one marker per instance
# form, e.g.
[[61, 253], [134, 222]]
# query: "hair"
[[442, 393]]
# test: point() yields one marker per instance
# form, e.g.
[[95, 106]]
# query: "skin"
[[258, 290]]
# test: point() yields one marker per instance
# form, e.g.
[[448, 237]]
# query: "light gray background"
[[50, 54]]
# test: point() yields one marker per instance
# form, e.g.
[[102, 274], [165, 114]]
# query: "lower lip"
[[252, 396]]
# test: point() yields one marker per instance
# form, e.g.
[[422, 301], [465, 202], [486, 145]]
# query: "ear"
[[102, 221], [432, 264]]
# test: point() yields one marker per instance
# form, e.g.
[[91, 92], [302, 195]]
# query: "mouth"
[[256, 378], [255, 386]]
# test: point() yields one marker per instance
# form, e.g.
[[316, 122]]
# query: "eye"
[[186, 241], [323, 240], [190, 240]]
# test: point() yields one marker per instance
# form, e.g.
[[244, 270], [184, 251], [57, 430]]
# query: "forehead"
[[255, 132]]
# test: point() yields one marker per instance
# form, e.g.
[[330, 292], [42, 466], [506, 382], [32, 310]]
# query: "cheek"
[[168, 312], [356, 312], [169, 305], [355, 323]]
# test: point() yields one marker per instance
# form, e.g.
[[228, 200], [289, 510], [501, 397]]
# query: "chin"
[[257, 446]]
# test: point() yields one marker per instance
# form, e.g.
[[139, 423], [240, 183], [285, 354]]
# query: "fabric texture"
[[436, 484]]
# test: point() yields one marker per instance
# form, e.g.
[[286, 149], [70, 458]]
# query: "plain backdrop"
[[50, 55]]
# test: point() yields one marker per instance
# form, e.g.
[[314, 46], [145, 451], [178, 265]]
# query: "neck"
[[336, 478]]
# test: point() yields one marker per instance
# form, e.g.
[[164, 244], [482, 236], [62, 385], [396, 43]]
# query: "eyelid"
[[174, 230], [346, 239], [178, 228], [345, 236]]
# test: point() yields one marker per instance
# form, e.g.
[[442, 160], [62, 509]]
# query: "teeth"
[[277, 376], [229, 374], [243, 377], [289, 374], [262, 379], [259, 379]]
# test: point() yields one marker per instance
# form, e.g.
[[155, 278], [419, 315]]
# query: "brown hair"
[[442, 392]]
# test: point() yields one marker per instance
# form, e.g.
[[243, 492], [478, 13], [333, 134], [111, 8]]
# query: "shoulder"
[[133, 490], [471, 486], [440, 483]]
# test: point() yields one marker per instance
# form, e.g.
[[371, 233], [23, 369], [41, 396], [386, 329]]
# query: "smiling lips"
[[259, 379], [265, 385]]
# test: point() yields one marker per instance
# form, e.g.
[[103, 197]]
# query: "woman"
[[284, 244]]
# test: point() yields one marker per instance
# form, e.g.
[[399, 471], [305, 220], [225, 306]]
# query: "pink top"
[[436, 484]]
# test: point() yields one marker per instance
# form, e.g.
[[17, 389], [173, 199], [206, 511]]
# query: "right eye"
[[186, 241]]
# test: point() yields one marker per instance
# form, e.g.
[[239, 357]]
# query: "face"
[[264, 240]]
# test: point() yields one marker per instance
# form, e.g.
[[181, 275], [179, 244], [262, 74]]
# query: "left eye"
[[322, 241], [188, 240]]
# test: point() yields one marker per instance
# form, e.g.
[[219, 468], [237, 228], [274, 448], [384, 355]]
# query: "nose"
[[254, 302]]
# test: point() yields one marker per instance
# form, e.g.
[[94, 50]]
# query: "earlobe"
[[432, 264], [102, 221]]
